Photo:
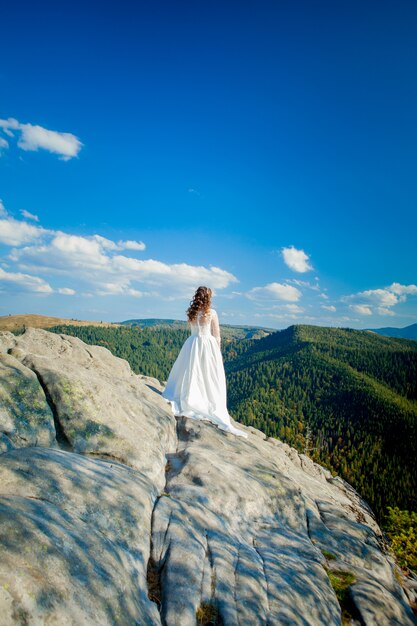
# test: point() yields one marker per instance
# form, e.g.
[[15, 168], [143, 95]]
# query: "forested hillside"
[[346, 397]]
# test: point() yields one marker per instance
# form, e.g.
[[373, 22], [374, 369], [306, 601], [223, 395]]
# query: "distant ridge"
[[407, 332], [32, 320], [154, 321]]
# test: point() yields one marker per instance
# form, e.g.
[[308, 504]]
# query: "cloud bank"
[[45, 262], [379, 301], [94, 265]]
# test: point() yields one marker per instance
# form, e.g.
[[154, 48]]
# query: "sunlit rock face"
[[112, 511]]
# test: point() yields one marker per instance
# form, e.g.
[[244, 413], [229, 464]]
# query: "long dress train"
[[196, 385]]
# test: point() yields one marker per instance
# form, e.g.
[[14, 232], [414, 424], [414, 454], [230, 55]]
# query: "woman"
[[196, 385]]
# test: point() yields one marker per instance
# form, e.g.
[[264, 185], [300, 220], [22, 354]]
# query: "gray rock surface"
[[114, 512], [74, 536], [25, 416]]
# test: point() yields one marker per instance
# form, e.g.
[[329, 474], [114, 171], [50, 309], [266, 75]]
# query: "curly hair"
[[200, 302]]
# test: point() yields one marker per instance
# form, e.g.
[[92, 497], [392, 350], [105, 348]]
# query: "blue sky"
[[268, 150]]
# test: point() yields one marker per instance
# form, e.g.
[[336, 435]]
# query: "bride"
[[196, 385]]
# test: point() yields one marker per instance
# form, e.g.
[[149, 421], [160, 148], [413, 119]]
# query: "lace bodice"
[[207, 326]]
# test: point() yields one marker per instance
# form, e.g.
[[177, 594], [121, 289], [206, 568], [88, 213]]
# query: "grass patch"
[[329, 555], [208, 615], [341, 582]]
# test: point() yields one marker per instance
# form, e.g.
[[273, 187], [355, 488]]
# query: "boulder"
[[26, 418]]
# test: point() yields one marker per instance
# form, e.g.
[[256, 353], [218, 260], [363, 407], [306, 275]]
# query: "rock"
[[74, 540], [152, 383], [128, 502], [100, 406], [259, 519], [25, 416]]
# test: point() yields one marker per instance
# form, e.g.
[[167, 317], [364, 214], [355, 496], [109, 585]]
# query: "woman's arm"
[[215, 326]]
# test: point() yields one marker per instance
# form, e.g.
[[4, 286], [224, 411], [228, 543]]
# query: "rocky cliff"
[[114, 512]]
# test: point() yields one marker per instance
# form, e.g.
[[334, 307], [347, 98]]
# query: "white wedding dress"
[[196, 385]]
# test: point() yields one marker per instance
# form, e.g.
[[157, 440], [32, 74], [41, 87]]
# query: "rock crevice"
[[61, 438]]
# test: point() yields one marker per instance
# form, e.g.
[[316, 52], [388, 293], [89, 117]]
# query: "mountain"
[[113, 512], [346, 397], [407, 332]]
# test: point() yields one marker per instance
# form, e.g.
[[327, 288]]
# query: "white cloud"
[[384, 311], [180, 274], [66, 291], [328, 307], [275, 291], [229, 296], [81, 249], [402, 290], [131, 245], [386, 297], [97, 265], [361, 308], [105, 243], [308, 319], [296, 260], [294, 308], [379, 297], [34, 137], [380, 301], [120, 245], [143, 268], [277, 316], [135, 293], [29, 216], [3, 145], [120, 288], [304, 283], [94, 263], [25, 282], [16, 233]]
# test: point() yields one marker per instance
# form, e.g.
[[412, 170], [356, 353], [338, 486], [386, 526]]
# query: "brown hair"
[[200, 302]]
